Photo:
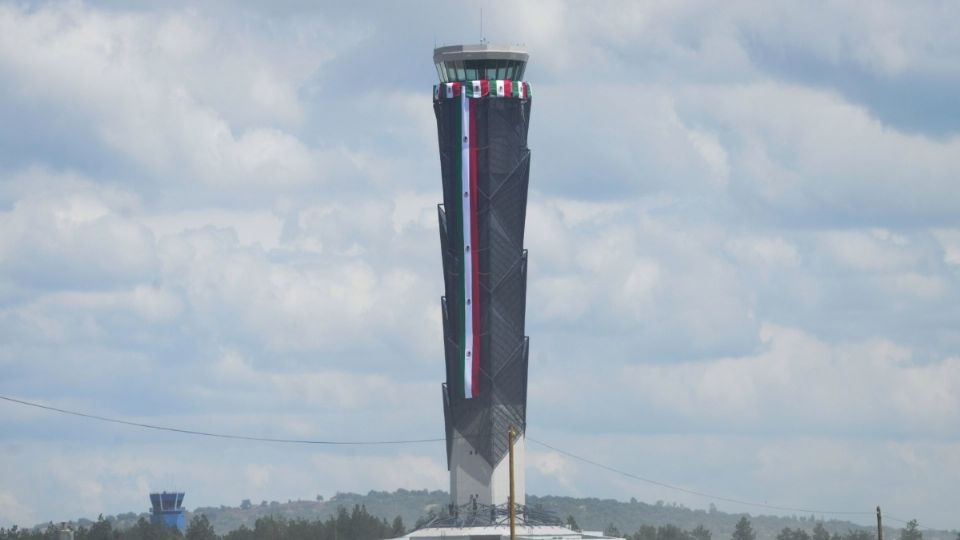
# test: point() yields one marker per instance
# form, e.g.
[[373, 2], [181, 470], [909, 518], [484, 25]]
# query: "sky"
[[743, 226]]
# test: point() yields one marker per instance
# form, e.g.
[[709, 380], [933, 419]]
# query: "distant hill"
[[409, 505], [590, 514], [597, 514]]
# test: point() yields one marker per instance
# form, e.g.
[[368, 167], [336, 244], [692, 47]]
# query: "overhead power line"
[[216, 435], [695, 492], [905, 522], [434, 440]]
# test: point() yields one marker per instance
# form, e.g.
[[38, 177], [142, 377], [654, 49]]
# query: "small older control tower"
[[167, 509], [482, 108]]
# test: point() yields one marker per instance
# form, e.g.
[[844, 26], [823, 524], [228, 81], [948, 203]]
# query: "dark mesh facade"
[[503, 164]]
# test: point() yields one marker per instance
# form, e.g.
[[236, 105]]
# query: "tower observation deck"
[[483, 61], [482, 107]]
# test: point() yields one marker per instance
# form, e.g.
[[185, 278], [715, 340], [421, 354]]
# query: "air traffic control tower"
[[483, 111], [167, 509], [482, 107]]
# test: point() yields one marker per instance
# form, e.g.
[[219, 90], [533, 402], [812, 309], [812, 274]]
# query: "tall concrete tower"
[[482, 107]]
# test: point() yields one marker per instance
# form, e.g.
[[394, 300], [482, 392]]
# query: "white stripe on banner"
[[500, 89], [466, 255], [477, 89], [449, 90]]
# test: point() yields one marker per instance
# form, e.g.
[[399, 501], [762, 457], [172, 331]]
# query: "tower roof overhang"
[[480, 61], [480, 51]]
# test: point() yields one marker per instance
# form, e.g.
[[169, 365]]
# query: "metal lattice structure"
[[485, 515], [500, 161]]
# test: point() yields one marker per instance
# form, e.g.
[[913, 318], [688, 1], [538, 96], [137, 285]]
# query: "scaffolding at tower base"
[[492, 515]]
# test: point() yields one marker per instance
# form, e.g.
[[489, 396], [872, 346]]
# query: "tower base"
[[502, 532], [472, 479]]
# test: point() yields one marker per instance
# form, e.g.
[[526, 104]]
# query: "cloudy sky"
[[744, 235]]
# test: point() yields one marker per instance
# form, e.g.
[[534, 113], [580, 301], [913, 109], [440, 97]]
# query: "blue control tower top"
[[166, 509]]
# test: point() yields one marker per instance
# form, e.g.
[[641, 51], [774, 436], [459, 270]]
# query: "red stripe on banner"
[[484, 88], [475, 252], [456, 89], [507, 88]]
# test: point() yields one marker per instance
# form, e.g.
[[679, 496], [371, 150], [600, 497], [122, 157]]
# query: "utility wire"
[[905, 522], [695, 492], [418, 441], [217, 435]]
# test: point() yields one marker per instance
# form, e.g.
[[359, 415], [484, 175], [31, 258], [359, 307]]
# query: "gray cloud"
[[742, 232]]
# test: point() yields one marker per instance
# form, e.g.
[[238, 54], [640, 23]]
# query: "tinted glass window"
[[472, 69]]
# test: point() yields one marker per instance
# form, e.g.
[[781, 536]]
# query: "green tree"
[[613, 531], [200, 529], [858, 534], [820, 532], [139, 531], [145, 530], [701, 533], [743, 530], [574, 526], [397, 529], [911, 531], [268, 528], [241, 533], [671, 532], [101, 530], [301, 529], [793, 534], [645, 532]]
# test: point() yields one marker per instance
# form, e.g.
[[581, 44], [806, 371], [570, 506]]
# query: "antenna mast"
[[481, 25]]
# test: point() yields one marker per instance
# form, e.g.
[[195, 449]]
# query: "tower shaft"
[[482, 130]]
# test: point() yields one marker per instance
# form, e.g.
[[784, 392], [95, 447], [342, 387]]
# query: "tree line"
[[744, 531], [357, 524]]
